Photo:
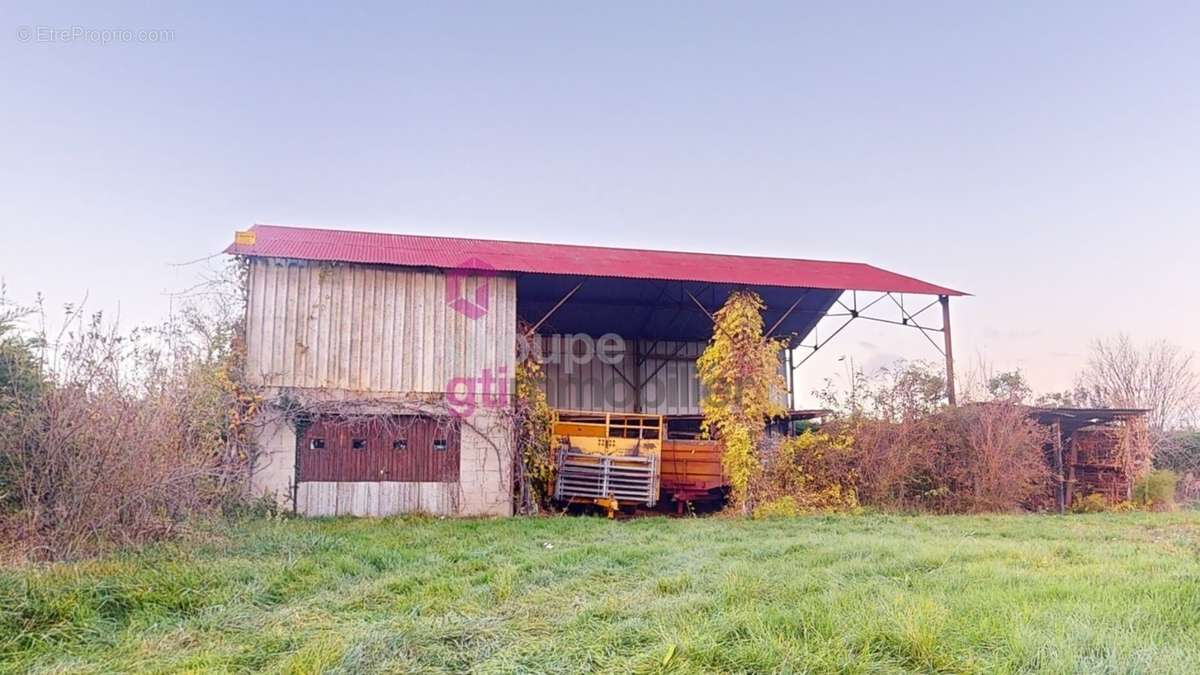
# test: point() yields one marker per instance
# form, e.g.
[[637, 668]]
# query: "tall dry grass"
[[127, 436]]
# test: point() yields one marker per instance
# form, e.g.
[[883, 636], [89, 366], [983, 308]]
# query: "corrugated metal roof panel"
[[511, 256]]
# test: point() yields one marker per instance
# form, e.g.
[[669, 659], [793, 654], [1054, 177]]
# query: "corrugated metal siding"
[[372, 329], [671, 385], [668, 370], [590, 385]]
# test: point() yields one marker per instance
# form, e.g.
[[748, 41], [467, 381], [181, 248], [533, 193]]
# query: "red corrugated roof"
[[514, 256]]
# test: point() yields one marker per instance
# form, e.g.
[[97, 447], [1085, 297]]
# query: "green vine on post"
[[740, 372], [534, 426]]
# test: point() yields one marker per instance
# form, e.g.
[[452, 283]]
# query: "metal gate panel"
[[586, 476]]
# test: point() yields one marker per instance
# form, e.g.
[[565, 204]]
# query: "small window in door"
[[358, 444], [316, 444], [400, 444], [440, 444]]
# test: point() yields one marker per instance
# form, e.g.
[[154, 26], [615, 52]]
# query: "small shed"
[[1095, 451]]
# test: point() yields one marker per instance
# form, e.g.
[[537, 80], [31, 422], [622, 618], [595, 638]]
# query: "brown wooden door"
[[405, 448]]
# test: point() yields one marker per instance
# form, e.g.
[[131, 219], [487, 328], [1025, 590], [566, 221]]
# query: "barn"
[[388, 360]]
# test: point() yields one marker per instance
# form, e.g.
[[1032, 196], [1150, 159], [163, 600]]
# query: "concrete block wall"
[[275, 464], [485, 465]]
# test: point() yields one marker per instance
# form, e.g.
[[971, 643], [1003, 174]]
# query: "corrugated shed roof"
[[563, 259]]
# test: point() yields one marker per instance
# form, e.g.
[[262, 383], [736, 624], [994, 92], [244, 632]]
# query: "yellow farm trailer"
[[608, 459]]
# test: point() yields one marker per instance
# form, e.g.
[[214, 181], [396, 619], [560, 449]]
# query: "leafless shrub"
[[1003, 465], [130, 434], [913, 452], [977, 458]]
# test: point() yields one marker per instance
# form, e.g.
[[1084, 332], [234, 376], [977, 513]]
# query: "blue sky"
[[1043, 156]]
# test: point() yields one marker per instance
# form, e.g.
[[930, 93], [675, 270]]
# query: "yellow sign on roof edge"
[[244, 238]]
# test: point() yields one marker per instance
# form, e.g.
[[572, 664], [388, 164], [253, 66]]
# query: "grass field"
[[1100, 593]]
